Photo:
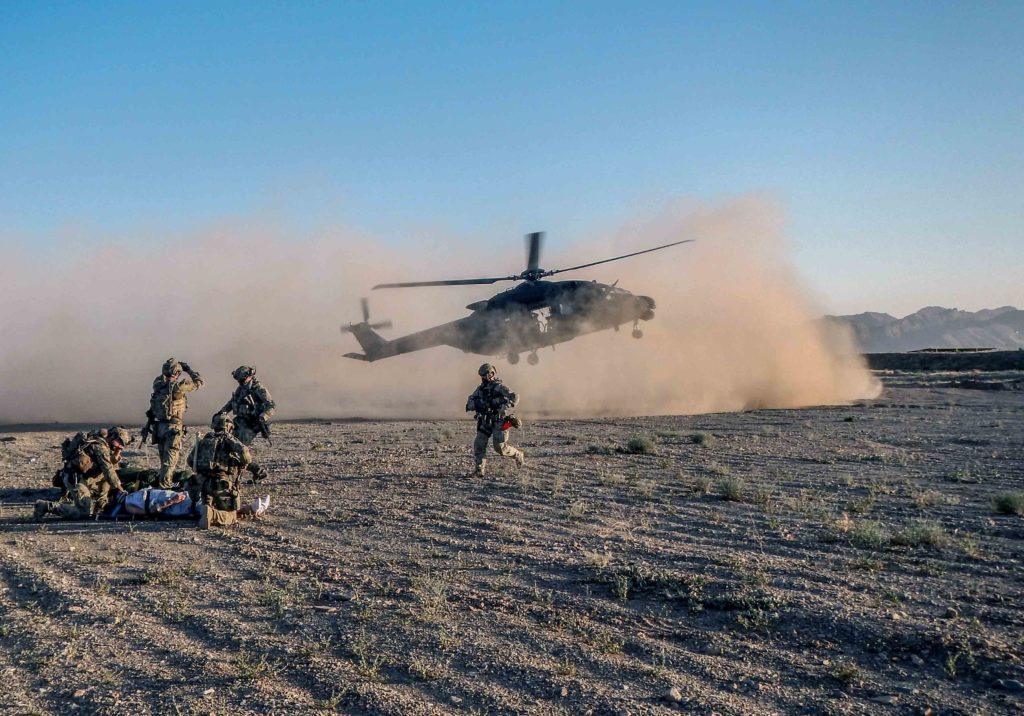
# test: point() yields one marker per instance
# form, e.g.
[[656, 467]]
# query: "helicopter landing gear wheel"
[[513, 358], [533, 359], [637, 333]]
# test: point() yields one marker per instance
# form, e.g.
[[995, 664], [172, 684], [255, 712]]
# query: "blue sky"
[[892, 133]]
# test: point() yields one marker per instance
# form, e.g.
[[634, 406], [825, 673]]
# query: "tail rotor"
[[365, 304]]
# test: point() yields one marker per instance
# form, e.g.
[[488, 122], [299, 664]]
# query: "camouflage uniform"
[[250, 403], [490, 401], [168, 405], [139, 478], [218, 460], [88, 476]]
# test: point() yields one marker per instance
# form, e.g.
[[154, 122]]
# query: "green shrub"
[[1009, 503], [869, 534], [638, 445], [732, 488]]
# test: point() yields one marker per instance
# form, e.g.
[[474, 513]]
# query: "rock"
[[674, 695], [455, 699], [905, 689], [890, 699], [951, 613], [916, 660], [564, 692], [1011, 684]]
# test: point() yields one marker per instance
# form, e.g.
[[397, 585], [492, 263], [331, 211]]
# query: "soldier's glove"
[[186, 367], [258, 473]]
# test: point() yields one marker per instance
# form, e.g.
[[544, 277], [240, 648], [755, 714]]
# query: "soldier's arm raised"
[[197, 380]]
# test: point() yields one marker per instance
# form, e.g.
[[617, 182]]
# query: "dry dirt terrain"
[[837, 560]]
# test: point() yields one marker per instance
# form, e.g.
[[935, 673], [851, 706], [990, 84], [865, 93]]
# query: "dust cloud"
[[85, 329]]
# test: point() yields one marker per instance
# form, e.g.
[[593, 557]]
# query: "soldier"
[[167, 408], [89, 475], [491, 402], [218, 460], [252, 405]]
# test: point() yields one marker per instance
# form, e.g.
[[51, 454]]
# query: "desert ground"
[[861, 559]]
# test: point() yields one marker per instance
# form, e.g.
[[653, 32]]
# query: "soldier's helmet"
[[222, 421], [486, 369], [171, 367], [122, 435], [242, 372]]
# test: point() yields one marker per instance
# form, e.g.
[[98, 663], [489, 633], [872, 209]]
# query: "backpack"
[[162, 402], [72, 452], [212, 456]]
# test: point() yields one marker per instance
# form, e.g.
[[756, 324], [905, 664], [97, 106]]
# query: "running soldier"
[[166, 413], [218, 460], [252, 405], [491, 402], [89, 480]]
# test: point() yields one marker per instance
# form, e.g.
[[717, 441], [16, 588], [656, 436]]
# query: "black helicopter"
[[533, 315]]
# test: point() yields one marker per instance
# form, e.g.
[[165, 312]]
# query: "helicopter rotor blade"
[[534, 243], [453, 282], [625, 256]]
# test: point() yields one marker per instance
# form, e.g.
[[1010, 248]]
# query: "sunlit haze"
[[889, 134]]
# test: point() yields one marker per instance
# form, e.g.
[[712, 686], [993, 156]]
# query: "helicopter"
[[533, 315]]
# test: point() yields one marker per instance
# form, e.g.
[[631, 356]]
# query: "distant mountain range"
[[937, 327]]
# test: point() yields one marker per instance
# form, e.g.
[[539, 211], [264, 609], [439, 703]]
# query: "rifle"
[[261, 423], [150, 428]]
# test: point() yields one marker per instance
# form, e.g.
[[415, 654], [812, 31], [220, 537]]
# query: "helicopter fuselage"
[[530, 316]]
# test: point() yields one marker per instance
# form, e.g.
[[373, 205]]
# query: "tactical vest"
[[246, 402], [74, 452], [490, 399], [163, 403]]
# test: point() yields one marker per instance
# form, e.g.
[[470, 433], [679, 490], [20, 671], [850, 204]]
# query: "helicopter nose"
[[646, 306]]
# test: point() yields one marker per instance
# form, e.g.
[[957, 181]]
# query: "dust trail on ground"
[[85, 330]]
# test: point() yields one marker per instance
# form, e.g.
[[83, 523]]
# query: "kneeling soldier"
[[88, 476], [218, 460]]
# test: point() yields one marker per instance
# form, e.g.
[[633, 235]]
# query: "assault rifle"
[[150, 428], [261, 423]]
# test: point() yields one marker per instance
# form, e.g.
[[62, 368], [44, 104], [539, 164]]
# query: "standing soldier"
[[491, 402], [218, 460], [252, 405], [167, 412], [89, 474]]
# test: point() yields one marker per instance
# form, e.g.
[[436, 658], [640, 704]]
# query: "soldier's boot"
[[520, 457], [204, 517], [42, 509], [481, 469]]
